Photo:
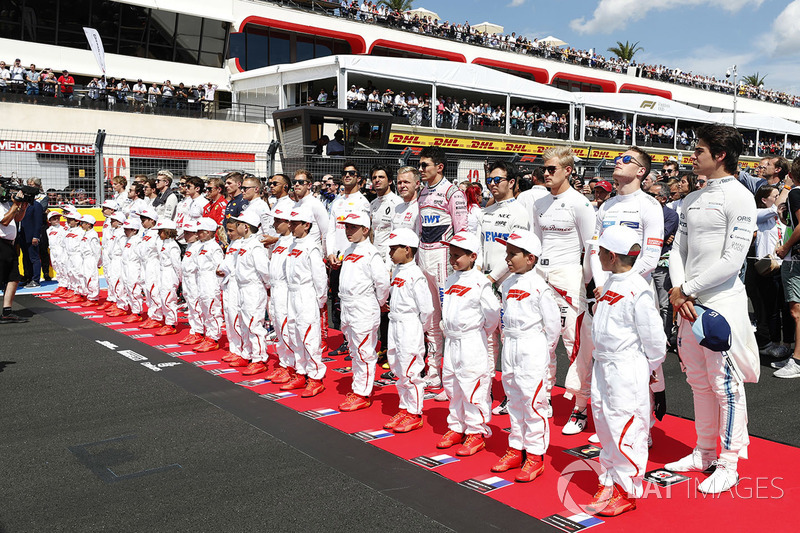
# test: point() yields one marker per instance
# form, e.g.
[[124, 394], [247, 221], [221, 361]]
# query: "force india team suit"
[[470, 312], [498, 221], [531, 327], [645, 216], [189, 287], [252, 278], [278, 299], [629, 344], [230, 298], [169, 258], [563, 224], [55, 236], [308, 292], [72, 242], [149, 248], [714, 234], [442, 213], [410, 307], [132, 274], [363, 289], [90, 262], [209, 299]]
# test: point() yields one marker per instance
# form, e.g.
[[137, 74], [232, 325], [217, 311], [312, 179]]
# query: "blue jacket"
[[31, 224]]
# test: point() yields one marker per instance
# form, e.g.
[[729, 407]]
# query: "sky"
[[702, 36]]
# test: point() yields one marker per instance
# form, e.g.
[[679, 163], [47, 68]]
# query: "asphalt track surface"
[[93, 441]]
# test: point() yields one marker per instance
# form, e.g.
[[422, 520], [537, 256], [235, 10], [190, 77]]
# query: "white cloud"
[[516, 3], [613, 15], [784, 38]]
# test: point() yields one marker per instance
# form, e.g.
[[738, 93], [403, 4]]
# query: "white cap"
[[148, 213], [111, 204], [280, 212], [403, 237], [466, 241], [618, 239], [118, 216], [71, 212], [525, 240], [301, 213], [88, 219], [249, 217], [189, 226], [359, 218], [208, 224], [132, 223], [166, 223], [52, 214]]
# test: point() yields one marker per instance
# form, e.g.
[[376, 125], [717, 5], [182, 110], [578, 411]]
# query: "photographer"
[[10, 214]]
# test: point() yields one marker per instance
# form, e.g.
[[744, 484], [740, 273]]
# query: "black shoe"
[[388, 375], [33, 285], [11, 318], [341, 350]]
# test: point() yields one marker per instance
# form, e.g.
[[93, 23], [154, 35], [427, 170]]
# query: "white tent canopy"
[[759, 122], [554, 41], [488, 27], [644, 104], [441, 73], [422, 12]]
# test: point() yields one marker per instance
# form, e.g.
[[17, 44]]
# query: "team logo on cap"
[[392, 235], [514, 236], [458, 238], [294, 213], [351, 215]]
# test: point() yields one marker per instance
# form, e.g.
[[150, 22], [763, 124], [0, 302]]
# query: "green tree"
[[625, 51], [398, 5], [754, 79]]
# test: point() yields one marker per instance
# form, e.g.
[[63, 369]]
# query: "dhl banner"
[[531, 150]]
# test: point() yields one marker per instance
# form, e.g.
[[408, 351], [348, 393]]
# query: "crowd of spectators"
[[372, 12], [103, 92]]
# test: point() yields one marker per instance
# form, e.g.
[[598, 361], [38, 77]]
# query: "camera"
[[9, 188]]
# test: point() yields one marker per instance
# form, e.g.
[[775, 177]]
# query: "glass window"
[[105, 19], [132, 31], [323, 47], [212, 46], [341, 48], [257, 48], [187, 38], [162, 28], [279, 47], [238, 48], [45, 16], [305, 47], [71, 22]]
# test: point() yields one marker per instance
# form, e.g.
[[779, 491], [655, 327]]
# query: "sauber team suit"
[[278, 299], [714, 234], [209, 300], [230, 298], [169, 257], [363, 289], [470, 312], [148, 250], [89, 251], [564, 223], [531, 327], [308, 292], [629, 344], [252, 278], [442, 214], [410, 307]]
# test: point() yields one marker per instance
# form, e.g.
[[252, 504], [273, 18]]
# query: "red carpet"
[[769, 480]]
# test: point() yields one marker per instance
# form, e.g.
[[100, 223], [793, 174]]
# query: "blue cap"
[[711, 329]]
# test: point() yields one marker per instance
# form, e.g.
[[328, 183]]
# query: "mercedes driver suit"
[[629, 344], [410, 307], [363, 289], [308, 292], [714, 234], [470, 312], [531, 327], [442, 213]]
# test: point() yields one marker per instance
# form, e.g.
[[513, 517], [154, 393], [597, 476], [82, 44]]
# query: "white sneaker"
[[779, 364], [723, 479], [502, 408], [594, 439], [698, 460], [433, 381], [790, 370], [576, 423]]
